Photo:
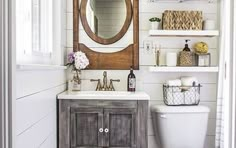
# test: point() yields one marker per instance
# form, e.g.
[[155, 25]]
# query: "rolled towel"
[[176, 82], [189, 81]]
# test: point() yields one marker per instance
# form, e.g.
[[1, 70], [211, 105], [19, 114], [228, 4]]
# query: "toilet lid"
[[180, 109]]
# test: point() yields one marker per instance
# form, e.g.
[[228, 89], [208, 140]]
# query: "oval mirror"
[[106, 21]]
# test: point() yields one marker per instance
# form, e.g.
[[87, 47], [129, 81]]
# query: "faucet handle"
[[94, 80], [111, 87], [115, 80], [99, 87]]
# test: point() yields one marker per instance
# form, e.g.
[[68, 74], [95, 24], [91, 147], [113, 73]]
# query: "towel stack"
[[178, 89], [183, 81]]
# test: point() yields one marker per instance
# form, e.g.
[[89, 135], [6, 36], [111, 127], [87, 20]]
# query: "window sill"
[[39, 67]]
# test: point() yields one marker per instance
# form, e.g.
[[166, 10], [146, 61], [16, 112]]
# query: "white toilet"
[[180, 127]]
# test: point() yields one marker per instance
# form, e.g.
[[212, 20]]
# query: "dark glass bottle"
[[131, 82], [186, 48]]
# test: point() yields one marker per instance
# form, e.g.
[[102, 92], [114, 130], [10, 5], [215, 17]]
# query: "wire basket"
[[181, 95]]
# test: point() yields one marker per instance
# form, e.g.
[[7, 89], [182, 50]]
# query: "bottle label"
[[131, 82]]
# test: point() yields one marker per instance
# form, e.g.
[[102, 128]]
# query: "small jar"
[[186, 58]]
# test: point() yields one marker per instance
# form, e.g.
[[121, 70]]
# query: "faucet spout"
[[105, 87]]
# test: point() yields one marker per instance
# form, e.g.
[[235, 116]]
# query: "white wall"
[[152, 82], [36, 92], [36, 107]]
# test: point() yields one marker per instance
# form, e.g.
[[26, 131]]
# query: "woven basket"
[[182, 20]]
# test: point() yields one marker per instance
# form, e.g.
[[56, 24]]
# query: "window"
[[35, 34]]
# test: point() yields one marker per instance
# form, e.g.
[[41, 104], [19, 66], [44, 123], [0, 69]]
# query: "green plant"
[[154, 19]]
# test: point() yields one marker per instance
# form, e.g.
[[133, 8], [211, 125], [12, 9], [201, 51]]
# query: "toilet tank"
[[180, 127]]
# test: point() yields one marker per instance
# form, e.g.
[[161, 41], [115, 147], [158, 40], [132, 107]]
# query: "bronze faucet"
[[104, 86]]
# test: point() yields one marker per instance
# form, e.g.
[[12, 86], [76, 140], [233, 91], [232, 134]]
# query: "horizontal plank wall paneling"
[[36, 107], [50, 142], [36, 100], [31, 109], [36, 92], [152, 82], [36, 95], [31, 82], [39, 133]]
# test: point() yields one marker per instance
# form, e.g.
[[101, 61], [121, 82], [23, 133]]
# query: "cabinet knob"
[[100, 130], [106, 130]]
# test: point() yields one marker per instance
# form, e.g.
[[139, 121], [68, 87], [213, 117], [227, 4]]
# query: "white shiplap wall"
[[36, 107], [152, 82], [36, 96]]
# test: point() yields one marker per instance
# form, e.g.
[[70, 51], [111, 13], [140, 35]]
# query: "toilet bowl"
[[180, 127]]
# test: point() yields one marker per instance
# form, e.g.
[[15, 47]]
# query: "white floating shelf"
[[194, 33], [180, 1], [183, 69]]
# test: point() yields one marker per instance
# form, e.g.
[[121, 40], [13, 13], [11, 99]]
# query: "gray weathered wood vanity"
[[90, 119]]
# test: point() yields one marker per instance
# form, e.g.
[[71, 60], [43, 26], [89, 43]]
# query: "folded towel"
[[189, 81], [176, 82]]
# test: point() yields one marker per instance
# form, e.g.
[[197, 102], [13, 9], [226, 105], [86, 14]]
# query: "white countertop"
[[104, 95]]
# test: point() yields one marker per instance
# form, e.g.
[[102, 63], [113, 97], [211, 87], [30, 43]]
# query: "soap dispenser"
[[186, 56], [131, 82]]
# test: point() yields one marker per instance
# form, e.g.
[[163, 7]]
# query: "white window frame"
[[53, 53]]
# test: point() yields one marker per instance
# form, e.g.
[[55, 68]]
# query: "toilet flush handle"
[[163, 116]]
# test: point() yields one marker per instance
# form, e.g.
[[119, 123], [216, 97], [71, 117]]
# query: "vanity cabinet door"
[[86, 127], [120, 128]]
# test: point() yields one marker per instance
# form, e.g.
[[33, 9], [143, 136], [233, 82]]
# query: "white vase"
[[155, 25]]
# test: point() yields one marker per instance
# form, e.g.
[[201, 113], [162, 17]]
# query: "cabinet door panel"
[[121, 128], [85, 125]]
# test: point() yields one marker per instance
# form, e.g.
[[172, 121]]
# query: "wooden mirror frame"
[[121, 60], [101, 40]]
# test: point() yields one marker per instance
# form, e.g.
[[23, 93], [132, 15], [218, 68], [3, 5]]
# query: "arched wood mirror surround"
[[120, 60]]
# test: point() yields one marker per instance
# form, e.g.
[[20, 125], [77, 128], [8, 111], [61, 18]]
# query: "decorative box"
[[186, 58], [182, 20], [203, 59]]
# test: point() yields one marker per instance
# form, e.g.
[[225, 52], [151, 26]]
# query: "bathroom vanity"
[[103, 119]]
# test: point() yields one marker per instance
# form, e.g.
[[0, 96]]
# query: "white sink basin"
[[101, 92], [104, 95]]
